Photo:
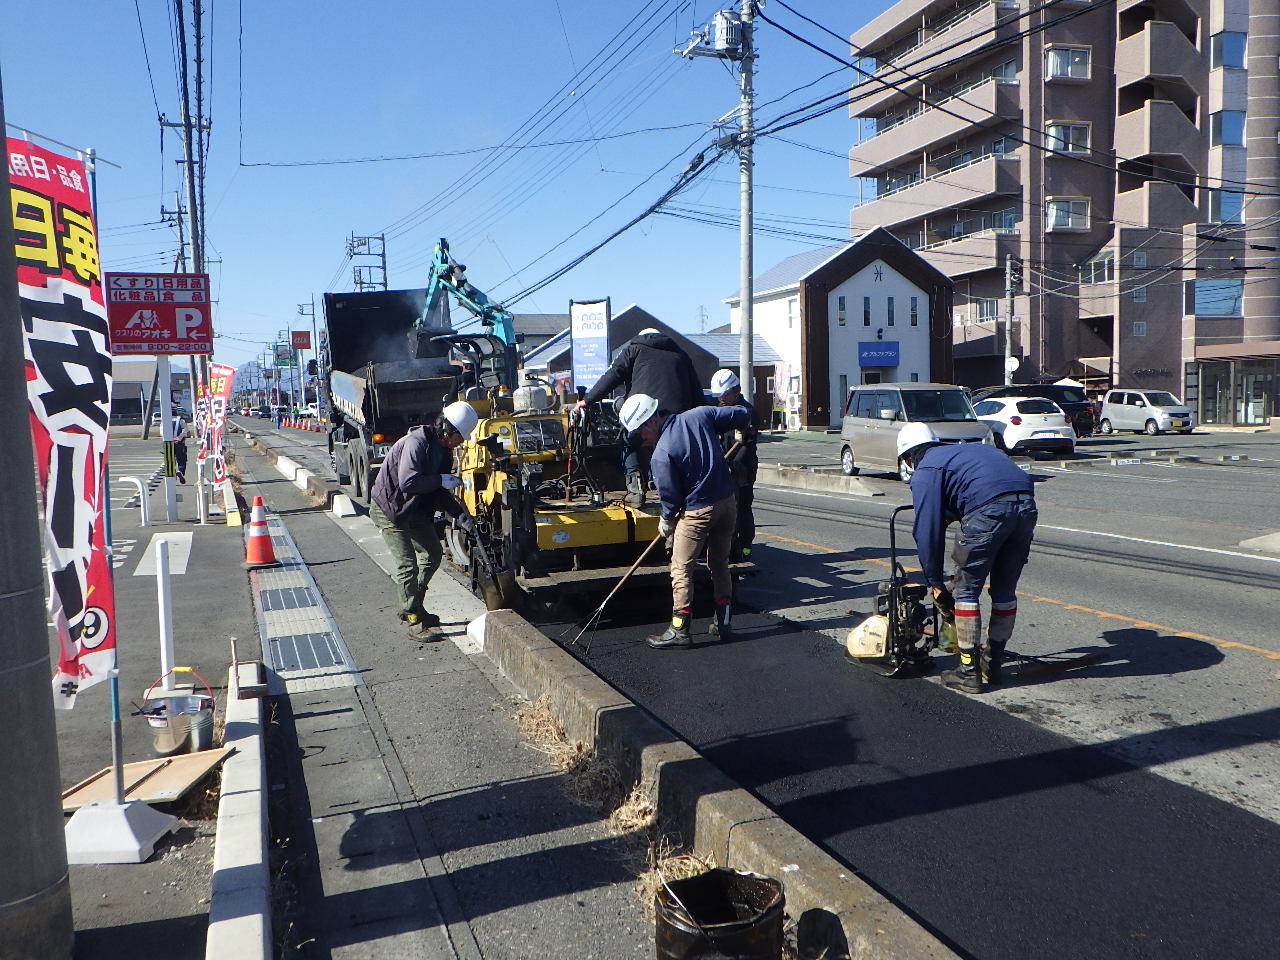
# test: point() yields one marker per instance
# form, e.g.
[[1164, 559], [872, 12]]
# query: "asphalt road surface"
[[1116, 799]]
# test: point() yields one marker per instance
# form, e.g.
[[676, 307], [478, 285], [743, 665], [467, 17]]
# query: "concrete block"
[[804, 479], [342, 506]]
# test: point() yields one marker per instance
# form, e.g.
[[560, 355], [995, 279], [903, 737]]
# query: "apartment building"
[[1090, 156]]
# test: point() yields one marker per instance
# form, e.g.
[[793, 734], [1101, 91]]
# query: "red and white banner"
[[68, 369], [159, 313], [214, 408]]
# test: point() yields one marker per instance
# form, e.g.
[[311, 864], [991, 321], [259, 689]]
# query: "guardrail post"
[[143, 507]]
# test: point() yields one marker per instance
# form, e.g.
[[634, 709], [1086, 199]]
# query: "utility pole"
[[368, 276], [1009, 286], [35, 888], [730, 37]]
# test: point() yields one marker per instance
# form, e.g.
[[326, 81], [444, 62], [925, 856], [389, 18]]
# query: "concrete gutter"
[[694, 799], [240, 901]]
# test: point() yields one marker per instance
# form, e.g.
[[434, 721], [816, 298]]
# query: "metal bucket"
[[720, 914], [180, 723]]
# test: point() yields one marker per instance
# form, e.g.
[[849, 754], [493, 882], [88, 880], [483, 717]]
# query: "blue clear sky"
[[327, 80]]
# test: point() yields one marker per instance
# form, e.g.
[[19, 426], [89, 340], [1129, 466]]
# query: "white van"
[[1144, 411], [875, 412]]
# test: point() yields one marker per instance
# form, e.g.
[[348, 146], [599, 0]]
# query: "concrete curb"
[[710, 812], [240, 901], [803, 478]]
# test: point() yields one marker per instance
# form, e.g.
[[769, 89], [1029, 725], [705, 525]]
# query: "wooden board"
[[162, 780]]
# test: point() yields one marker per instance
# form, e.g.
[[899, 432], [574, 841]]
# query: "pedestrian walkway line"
[[1101, 614], [301, 645]]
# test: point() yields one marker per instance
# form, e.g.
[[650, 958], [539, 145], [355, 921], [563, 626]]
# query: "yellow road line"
[[1101, 614]]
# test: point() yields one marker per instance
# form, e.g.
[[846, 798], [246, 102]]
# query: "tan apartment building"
[[1102, 157]]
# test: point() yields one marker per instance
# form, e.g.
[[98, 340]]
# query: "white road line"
[[179, 554], [1099, 473]]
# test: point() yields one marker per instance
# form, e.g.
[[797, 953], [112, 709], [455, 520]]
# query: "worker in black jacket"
[[652, 364], [726, 388], [995, 504]]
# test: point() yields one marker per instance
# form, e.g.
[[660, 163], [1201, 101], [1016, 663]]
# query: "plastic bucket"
[[720, 914], [180, 722]]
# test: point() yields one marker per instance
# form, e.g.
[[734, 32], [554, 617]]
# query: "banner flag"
[[214, 409], [68, 370], [588, 341]]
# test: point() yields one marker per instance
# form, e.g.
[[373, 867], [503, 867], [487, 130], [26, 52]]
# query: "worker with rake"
[[696, 493]]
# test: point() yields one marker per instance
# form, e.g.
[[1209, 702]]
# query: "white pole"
[[201, 509], [164, 601], [746, 135], [166, 434]]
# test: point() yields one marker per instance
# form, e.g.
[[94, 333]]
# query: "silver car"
[[875, 412], [1144, 411]]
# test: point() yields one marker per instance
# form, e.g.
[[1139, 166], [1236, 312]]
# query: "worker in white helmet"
[[699, 508], [726, 388], [412, 484], [652, 364]]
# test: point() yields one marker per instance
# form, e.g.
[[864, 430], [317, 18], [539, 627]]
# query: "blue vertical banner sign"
[[589, 340]]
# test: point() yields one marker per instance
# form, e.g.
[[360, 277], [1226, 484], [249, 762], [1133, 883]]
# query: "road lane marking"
[[179, 554], [1160, 543], [1116, 476]]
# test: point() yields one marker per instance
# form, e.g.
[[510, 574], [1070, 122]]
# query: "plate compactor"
[[904, 629]]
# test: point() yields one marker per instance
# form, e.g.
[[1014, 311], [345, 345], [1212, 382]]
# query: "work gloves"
[[666, 527], [467, 524], [448, 481]]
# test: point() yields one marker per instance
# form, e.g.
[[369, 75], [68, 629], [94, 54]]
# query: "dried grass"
[[667, 862], [638, 811]]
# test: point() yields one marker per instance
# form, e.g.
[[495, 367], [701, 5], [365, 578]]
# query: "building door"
[[1253, 392], [1215, 392]]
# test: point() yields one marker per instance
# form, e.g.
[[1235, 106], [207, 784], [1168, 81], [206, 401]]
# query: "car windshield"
[[1162, 399], [934, 405], [1037, 405]]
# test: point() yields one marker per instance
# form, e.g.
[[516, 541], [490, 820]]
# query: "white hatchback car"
[[1027, 423]]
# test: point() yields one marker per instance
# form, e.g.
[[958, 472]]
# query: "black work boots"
[[720, 623], [676, 635], [635, 490], [966, 675]]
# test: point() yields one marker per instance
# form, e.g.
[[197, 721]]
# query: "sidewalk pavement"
[[156, 908], [409, 818]]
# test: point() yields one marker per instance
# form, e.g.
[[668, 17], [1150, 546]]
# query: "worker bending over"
[[652, 364], [995, 504], [412, 485], [696, 493], [743, 463]]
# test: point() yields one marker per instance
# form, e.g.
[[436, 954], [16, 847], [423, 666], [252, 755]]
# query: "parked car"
[[264, 412], [1073, 400], [1149, 411], [875, 412], [1027, 423]]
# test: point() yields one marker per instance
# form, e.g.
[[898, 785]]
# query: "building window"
[[1005, 219], [1226, 206], [915, 378], [769, 385], [844, 388], [794, 385], [915, 311], [1067, 214], [1001, 146], [986, 308], [840, 309], [1139, 328], [1099, 269], [1139, 259], [1066, 63], [1140, 294], [866, 311], [1067, 137], [889, 311], [792, 303], [1007, 71], [1226, 128], [1215, 298], [1226, 50]]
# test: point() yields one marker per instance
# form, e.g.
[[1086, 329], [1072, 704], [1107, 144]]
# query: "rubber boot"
[[967, 676], [676, 635], [721, 627], [1003, 615], [635, 490]]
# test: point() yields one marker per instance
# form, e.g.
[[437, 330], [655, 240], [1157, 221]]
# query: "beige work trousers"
[[712, 526]]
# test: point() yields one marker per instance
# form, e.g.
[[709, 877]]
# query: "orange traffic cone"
[[259, 552]]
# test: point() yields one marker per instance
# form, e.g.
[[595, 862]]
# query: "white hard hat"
[[648, 330], [636, 411], [462, 416], [723, 381], [914, 435]]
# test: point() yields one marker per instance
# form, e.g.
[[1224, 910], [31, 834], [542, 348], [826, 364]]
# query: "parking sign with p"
[[159, 312]]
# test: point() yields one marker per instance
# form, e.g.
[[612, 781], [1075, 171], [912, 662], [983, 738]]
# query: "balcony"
[[983, 105], [929, 53], [984, 250], [1155, 205], [1097, 300], [965, 185], [1159, 129], [1160, 51]]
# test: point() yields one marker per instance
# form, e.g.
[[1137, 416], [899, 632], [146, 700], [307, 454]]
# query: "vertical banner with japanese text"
[[214, 406], [588, 341], [68, 370]]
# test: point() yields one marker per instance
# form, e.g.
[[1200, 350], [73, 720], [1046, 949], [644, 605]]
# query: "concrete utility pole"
[[746, 135], [1009, 286], [1261, 301], [35, 890]]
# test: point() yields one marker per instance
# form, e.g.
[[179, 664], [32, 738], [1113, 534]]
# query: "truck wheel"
[[342, 467]]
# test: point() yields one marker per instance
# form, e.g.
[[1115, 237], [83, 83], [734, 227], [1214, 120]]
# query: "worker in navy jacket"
[[697, 495], [994, 502]]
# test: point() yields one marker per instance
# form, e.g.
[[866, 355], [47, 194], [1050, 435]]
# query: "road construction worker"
[[652, 364], [727, 390], [994, 502], [696, 493], [413, 483]]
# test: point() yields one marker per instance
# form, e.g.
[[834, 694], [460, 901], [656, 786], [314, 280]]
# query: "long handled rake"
[[593, 620]]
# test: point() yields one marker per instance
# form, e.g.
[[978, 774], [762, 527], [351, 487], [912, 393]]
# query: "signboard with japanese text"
[[68, 372], [878, 353], [285, 356], [215, 407], [301, 339], [589, 341], [159, 312]]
